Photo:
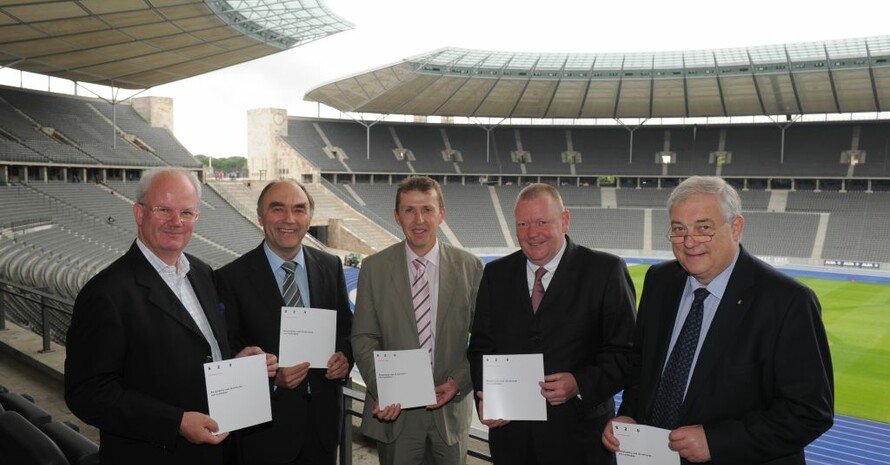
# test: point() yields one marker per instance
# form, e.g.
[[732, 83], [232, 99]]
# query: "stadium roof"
[[842, 76], [137, 44]]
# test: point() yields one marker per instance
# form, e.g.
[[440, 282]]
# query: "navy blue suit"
[[253, 301], [763, 383]]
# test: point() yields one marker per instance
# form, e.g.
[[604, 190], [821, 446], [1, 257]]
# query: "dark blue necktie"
[[672, 386]]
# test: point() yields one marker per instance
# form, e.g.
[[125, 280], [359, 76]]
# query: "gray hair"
[[730, 203], [148, 177]]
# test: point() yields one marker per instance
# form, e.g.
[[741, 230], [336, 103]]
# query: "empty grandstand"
[[814, 193], [81, 191], [615, 182]]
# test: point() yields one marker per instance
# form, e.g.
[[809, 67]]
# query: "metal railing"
[[345, 452], [43, 313], [49, 316]]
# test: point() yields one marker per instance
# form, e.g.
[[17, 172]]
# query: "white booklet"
[[510, 385], [238, 392], [404, 377], [643, 445], [307, 335]]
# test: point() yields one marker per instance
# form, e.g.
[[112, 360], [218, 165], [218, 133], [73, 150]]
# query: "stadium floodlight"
[[571, 157], [521, 156], [720, 158], [665, 158], [403, 154], [335, 153], [852, 157], [452, 155]]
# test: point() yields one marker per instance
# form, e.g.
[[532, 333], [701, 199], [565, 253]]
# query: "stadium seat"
[[77, 449], [22, 443], [25, 407]]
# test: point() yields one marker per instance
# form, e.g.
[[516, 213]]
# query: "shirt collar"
[[431, 257], [717, 286], [553, 263], [275, 261], [181, 268]]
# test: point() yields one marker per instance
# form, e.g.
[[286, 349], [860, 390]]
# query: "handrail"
[[345, 452], [26, 223], [47, 303]]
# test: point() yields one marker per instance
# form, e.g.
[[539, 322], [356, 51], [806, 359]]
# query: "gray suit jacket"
[[384, 320]]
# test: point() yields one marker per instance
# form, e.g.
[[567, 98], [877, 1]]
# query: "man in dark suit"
[[142, 330], [757, 384], [306, 413], [576, 307]]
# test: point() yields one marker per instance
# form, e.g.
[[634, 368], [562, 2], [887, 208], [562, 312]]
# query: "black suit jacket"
[[134, 362], [250, 295], [584, 325], [763, 383]]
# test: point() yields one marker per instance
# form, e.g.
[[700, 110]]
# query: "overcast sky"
[[210, 110]]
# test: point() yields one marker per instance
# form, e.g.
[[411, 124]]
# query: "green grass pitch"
[[857, 319]]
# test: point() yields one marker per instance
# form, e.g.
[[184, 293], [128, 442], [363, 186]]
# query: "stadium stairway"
[[329, 206], [243, 197]]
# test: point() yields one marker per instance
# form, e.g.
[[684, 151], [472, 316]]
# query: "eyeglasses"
[[681, 238], [166, 213], [702, 234]]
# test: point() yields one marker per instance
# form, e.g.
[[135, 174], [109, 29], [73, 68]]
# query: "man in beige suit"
[[418, 293]]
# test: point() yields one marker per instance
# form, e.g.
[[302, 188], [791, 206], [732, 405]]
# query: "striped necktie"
[[423, 310], [290, 291]]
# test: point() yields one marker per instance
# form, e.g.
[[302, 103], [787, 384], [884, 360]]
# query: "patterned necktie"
[[672, 387], [538, 288], [423, 310], [291, 292]]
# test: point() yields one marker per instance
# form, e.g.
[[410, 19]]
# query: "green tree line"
[[225, 164]]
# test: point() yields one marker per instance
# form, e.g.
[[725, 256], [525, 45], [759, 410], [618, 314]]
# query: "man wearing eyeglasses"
[[142, 330], [729, 354]]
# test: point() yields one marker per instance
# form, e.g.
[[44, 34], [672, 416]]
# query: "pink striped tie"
[[423, 311]]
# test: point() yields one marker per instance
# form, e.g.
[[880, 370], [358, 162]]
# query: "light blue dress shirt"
[[300, 274], [716, 289]]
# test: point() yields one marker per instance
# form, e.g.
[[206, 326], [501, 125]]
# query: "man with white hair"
[[729, 353], [142, 330]]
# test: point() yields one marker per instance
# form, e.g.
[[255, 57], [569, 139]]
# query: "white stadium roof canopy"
[[138, 44], [840, 76]]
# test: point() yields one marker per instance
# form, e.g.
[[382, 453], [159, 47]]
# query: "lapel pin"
[[740, 302]]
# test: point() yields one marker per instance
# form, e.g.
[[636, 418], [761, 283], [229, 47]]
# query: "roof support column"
[[488, 128], [367, 131], [783, 127], [630, 154]]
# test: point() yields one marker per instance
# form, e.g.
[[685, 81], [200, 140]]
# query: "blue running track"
[[851, 441]]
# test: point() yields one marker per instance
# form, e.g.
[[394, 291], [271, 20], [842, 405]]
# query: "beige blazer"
[[384, 320]]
